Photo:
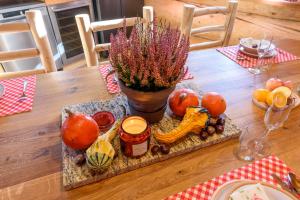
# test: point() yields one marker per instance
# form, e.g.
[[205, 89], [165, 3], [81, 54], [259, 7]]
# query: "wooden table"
[[30, 144]]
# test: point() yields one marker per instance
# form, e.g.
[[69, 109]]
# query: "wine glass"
[[274, 119], [256, 145], [263, 49]]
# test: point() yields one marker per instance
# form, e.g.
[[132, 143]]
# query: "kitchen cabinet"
[[107, 9]]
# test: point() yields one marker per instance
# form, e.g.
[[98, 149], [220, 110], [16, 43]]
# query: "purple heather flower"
[[149, 59]]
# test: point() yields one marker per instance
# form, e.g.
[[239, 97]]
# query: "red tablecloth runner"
[[10, 104], [113, 86], [232, 52], [259, 170]]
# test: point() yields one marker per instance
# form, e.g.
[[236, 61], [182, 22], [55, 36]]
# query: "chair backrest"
[[35, 25], [191, 11], [86, 30]]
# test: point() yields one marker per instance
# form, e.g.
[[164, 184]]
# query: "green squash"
[[100, 154]]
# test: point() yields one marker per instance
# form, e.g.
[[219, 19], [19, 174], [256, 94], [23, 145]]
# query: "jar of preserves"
[[134, 136], [104, 119]]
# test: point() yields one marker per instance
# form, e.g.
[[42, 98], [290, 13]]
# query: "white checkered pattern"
[[259, 170], [9, 103], [113, 87], [233, 51]]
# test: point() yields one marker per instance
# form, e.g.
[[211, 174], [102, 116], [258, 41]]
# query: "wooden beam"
[[205, 45], [7, 75], [39, 33], [273, 9], [187, 19], [113, 24], [210, 10], [148, 16], [207, 29], [106, 62], [87, 39], [14, 27], [18, 54], [230, 19], [102, 47]]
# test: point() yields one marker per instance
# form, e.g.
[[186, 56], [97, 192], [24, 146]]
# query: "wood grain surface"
[[30, 146], [247, 23], [279, 9]]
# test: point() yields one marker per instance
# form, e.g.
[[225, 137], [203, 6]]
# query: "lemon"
[[279, 99], [269, 99], [287, 91], [261, 95]]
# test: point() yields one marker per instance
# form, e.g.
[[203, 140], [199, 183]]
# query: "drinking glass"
[[263, 49], [274, 119], [243, 152], [255, 145]]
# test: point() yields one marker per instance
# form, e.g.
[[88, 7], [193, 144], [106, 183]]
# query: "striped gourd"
[[101, 153]]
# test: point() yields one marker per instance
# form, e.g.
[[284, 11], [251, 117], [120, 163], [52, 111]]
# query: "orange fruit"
[[214, 103], [287, 91], [279, 99], [269, 99], [261, 95]]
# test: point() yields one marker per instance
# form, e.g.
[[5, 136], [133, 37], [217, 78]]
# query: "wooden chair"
[[86, 30], [35, 25], [191, 11]]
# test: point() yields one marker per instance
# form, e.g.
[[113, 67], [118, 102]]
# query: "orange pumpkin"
[[180, 99], [79, 131], [214, 103]]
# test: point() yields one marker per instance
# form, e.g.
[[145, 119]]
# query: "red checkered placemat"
[[10, 103], [233, 52], [112, 84], [259, 170]]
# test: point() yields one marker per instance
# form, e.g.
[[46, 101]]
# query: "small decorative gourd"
[[101, 153], [194, 120]]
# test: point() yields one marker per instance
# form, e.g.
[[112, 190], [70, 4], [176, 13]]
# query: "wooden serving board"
[[76, 176]]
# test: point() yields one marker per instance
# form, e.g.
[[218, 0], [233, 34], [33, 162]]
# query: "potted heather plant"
[[149, 64]]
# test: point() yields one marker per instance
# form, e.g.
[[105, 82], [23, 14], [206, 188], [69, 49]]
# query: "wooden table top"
[[30, 144]]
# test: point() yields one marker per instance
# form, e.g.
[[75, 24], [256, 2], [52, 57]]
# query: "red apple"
[[273, 83], [288, 84]]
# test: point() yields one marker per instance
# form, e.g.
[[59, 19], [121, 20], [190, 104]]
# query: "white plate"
[[273, 192], [268, 55], [248, 43], [2, 90]]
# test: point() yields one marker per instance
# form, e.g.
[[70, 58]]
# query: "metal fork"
[[24, 96], [2, 90]]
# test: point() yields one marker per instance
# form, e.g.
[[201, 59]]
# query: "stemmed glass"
[[251, 145], [274, 119], [263, 49]]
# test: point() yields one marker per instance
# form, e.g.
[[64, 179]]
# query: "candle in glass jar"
[[134, 125], [134, 136]]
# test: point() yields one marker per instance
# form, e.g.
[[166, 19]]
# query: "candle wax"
[[134, 125]]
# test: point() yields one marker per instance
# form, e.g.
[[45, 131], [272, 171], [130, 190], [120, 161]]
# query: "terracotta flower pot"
[[149, 105]]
